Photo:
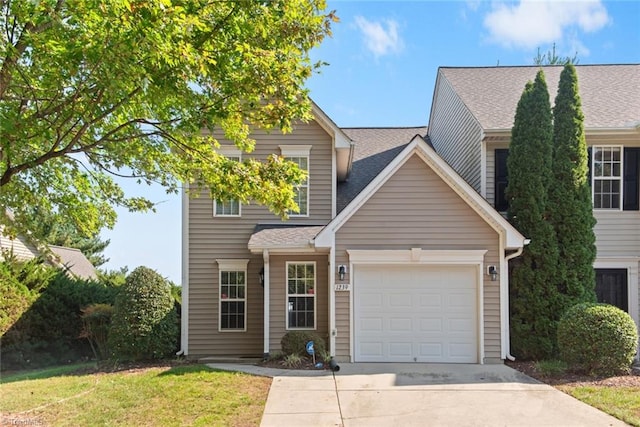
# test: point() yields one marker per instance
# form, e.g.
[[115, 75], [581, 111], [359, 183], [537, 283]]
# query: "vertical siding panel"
[[436, 219]]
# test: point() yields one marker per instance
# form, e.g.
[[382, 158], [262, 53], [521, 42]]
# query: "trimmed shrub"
[[96, 321], [598, 338], [144, 324], [295, 342]]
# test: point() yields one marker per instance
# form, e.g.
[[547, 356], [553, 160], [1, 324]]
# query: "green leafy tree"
[[532, 292], [552, 58], [570, 208], [96, 89], [144, 322]]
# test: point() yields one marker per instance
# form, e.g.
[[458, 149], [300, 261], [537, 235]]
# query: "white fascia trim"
[[295, 150], [232, 264], [513, 238], [416, 256], [483, 165], [184, 321], [341, 140]]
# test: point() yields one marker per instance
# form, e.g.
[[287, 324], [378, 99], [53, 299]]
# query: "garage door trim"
[[418, 256]]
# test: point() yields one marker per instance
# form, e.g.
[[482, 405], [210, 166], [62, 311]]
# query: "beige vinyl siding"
[[212, 238], [20, 247], [617, 233], [431, 217], [278, 294], [456, 134]]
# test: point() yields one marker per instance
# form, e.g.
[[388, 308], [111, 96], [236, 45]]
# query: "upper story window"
[[232, 295], [299, 154], [228, 208], [607, 177], [614, 177], [301, 298]]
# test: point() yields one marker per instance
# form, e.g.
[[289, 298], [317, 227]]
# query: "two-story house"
[[397, 254], [470, 127], [393, 257]]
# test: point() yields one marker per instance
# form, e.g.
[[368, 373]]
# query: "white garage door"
[[412, 313]]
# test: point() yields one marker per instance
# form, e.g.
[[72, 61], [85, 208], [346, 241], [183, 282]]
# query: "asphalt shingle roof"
[[75, 262], [278, 235], [374, 149], [610, 94]]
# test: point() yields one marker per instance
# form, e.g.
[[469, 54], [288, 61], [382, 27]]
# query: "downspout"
[[508, 258]]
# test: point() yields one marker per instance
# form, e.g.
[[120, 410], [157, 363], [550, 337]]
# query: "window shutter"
[[631, 178], [501, 179], [589, 164]]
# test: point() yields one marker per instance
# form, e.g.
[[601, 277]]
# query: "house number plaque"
[[342, 287]]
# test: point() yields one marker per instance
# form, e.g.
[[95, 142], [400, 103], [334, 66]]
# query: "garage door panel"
[[415, 313]]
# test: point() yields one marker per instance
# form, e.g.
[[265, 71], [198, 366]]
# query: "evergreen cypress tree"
[[533, 295], [570, 208]]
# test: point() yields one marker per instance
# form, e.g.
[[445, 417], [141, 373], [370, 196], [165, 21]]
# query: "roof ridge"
[[533, 66], [383, 127]]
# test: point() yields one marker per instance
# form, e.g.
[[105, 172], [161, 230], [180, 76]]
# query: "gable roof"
[[610, 93], [374, 149], [418, 145], [74, 262]]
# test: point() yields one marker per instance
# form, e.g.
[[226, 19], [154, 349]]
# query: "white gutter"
[[509, 257]]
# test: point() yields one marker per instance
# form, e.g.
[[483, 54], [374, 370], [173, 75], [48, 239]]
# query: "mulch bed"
[[577, 379]]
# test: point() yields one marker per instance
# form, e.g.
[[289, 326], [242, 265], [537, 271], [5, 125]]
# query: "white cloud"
[[378, 39], [531, 23]]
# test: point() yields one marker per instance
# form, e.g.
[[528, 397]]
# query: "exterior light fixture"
[[342, 270], [493, 272], [261, 275]]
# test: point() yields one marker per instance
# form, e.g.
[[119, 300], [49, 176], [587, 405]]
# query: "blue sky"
[[383, 59]]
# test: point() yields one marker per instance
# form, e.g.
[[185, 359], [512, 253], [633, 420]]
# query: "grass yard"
[[193, 395], [621, 402]]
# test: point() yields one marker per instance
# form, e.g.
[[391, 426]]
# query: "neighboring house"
[[393, 257], [470, 127], [73, 261]]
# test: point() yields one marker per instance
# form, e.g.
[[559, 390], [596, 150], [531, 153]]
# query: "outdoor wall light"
[[261, 275], [342, 270], [493, 272]]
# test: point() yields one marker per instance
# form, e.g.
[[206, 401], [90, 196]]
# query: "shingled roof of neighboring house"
[[374, 149], [75, 262], [610, 93]]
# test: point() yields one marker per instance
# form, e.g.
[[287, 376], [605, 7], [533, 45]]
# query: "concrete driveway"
[[381, 394]]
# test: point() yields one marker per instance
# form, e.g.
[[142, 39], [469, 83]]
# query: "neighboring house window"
[[501, 180], [299, 154], [228, 207], [611, 287], [232, 295], [607, 177], [301, 298]]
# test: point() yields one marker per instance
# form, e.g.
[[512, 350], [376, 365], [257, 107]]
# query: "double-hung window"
[[232, 295], [615, 177], [301, 297], [228, 208], [299, 154]]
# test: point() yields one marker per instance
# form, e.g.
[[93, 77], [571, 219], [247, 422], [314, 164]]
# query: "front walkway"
[[381, 394]]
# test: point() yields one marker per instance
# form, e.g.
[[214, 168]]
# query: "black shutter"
[[630, 179], [501, 180], [589, 165], [611, 287]]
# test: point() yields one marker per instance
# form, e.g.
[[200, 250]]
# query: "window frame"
[[291, 152], [230, 266], [619, 178], [236, 154], [306, 295]]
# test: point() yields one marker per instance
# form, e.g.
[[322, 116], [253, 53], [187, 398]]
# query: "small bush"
[[598, 338], [295, 342], [144, 323], [292, 360], [96, 321], [551, 368]]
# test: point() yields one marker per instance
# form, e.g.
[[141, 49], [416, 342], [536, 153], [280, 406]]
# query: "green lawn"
[[157, 396], [621, 402]]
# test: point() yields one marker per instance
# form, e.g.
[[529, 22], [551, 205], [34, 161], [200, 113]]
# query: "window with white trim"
[[299, 154], [228, 208], [232, 291], [301, 298], [607, 177]]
